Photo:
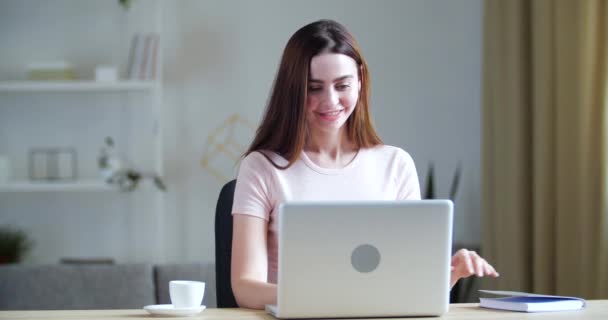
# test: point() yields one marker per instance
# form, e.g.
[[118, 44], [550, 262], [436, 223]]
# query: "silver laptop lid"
[[364, 259]]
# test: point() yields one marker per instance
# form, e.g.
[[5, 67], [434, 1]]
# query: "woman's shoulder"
[[391, 152], [262, 160]]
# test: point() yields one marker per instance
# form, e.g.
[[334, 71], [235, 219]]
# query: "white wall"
[[220, 58]]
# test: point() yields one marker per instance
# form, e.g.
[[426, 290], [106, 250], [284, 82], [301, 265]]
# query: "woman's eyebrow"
[[342, 78]]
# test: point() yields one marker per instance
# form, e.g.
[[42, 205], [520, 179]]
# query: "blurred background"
[[180, 86], [219, 59]]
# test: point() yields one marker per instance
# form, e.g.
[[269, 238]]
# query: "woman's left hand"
[[466, 263]]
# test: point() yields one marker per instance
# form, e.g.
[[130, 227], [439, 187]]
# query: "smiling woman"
[[316, 142], [333, 90], [320, 59]]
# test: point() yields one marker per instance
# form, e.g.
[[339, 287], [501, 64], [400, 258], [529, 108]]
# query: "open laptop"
[[363, 259]]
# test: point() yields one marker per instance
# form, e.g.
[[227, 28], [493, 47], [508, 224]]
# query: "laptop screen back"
[[364, 259]]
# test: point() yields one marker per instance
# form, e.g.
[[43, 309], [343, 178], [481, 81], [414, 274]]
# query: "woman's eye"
[[312, 89], [343, 86]]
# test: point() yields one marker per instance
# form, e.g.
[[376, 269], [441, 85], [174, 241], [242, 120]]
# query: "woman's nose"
[[331, 97]]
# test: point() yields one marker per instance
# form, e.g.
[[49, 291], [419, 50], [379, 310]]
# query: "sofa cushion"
[[163, 273], [49, 287]]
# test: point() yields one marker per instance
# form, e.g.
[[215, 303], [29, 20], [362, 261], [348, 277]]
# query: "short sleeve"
[[408, 187], [252, 194]]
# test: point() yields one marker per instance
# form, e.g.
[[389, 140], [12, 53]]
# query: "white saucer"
[[169, 310]]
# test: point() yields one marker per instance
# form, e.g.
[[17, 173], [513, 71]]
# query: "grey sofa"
[[111, 286]]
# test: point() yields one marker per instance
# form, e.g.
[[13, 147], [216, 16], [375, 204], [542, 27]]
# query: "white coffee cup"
[[186, 294]]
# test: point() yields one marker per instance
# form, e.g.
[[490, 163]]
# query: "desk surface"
[[596, 309]]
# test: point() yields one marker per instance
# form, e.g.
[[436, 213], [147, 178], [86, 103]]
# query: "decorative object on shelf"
[[226, 143], [143, 56], [52, 70], [116, 170], [106, 73], [14, 244], [53, 164], [5, 169]]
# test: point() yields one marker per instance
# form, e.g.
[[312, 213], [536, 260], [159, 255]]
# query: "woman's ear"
[[359, 86]]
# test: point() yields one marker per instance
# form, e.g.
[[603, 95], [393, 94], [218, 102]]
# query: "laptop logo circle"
[[365, 258]]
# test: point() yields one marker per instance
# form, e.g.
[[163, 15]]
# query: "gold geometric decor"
[[225, 145]]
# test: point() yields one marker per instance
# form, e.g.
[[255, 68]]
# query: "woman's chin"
[[329, 128]]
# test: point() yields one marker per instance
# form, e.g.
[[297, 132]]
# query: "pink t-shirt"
[[379, 173]]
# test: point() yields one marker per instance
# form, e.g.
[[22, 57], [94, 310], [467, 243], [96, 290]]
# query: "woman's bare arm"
[[250, 263]]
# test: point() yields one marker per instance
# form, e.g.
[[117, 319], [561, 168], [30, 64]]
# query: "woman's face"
[[333, 91]]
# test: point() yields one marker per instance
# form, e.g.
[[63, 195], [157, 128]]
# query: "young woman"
[[316, 142]]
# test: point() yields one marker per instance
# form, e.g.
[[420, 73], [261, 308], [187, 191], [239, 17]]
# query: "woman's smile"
[[332, 115]]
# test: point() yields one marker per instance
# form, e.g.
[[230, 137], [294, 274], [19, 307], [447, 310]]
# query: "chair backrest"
[[223, 246]]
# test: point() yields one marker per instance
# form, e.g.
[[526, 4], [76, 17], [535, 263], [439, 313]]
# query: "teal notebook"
[[530, 302]]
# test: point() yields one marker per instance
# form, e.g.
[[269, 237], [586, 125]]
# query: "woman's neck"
[[330, 150]]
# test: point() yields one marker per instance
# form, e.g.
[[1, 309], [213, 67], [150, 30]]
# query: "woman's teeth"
[[333, 113]]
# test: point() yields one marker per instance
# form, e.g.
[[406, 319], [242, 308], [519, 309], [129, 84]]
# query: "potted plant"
[[116, 170], [430, 184], [14, 244]]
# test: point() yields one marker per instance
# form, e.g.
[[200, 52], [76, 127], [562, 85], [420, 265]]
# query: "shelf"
[[75, 86], [29, 186]]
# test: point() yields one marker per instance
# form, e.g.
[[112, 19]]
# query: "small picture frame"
[[53, 164]]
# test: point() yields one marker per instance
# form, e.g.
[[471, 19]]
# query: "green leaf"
[[455, 182], [126, 4], [159, 183], [430, 183]]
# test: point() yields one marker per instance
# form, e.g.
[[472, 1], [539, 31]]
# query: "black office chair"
[[223, 246]]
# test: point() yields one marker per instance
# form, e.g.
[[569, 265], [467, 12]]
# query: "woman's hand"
[[466, 263]]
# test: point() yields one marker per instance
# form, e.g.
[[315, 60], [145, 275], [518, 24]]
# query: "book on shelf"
[[143, 56], [50, 70], [151, 56], [530, 302]]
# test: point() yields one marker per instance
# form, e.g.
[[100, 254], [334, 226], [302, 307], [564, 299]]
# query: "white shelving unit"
[[67, 87], [86, 216], [152, 88], [59, 186], [76, 86]]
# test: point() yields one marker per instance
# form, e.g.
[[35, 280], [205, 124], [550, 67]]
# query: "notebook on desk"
[[363, 259]]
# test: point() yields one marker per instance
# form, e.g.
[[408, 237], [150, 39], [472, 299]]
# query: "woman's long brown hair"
[[283, 128]]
